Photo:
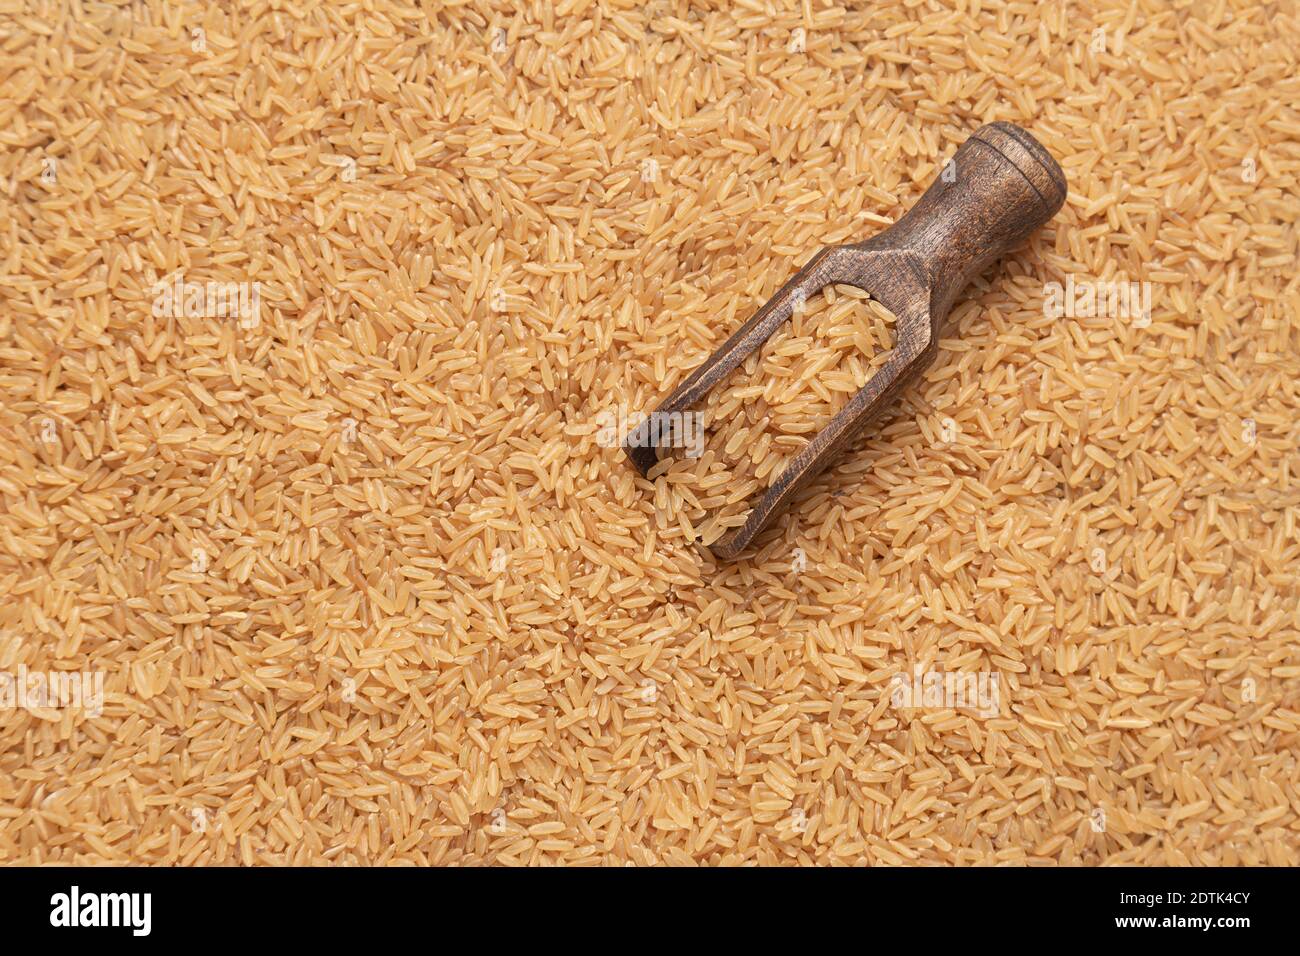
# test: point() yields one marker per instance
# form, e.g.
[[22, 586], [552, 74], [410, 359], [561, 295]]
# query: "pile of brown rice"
[[365, 585]]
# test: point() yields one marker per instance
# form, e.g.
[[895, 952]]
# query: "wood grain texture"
[[1001, 186]]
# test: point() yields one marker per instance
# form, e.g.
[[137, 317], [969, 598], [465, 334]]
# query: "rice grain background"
[[364, 583]]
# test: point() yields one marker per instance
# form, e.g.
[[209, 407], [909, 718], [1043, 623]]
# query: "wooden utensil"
[[1001, 186]]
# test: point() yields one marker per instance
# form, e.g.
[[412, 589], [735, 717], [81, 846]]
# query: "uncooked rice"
[[771, 407], [366, 586]]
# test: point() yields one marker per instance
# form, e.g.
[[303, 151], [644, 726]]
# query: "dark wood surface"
[[1003, 185]]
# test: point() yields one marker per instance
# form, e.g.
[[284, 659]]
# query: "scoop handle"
[[999, 187]]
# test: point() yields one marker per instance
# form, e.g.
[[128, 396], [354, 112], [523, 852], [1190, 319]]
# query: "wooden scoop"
[[1001, 186]]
